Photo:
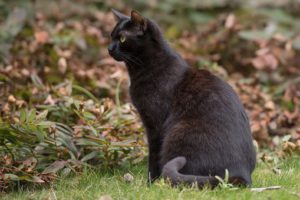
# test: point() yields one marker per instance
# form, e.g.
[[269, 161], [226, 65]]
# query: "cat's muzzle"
[[114, 53]]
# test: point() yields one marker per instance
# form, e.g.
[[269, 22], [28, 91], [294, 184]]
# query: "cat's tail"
[[171, 172]]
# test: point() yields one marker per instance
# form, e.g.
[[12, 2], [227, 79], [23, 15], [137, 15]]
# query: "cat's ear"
[[138, 19], [118, 16]]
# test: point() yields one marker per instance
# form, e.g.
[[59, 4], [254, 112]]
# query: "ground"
[[94, 185]]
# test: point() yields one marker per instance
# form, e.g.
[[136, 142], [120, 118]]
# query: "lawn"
[[93, 185]]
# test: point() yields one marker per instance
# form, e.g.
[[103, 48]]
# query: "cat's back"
[[211, 105], [201, 89]]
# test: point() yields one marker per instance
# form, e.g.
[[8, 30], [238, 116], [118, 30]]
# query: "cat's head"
[[131, 36]]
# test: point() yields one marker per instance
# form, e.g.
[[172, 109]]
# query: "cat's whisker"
[[137, 59], [124, 58], [129, 60], [132, 59]]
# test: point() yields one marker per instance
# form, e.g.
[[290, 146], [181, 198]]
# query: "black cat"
[[195, 123]]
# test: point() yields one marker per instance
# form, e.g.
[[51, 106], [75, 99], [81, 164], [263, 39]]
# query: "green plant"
[[72, 132]]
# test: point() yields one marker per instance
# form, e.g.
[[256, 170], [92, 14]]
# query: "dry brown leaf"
[[25, 72], [230, 21], [128, 178], [270, 105], [49, 100], [20, 103], [11, 99], [6, 108], [265, 61], [41, 37], [289, 147], [105, 197], [62, 65]]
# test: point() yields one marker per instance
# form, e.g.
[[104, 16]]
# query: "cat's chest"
[[153, 104]]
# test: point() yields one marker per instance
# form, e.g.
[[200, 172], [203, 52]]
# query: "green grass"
[[92, 185]]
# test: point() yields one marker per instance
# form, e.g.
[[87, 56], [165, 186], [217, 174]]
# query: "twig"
[[265, 188]]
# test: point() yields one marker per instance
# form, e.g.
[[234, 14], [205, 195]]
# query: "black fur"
[[195, 123]]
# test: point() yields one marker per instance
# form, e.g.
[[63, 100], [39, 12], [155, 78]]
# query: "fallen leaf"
[[277, 171], [270, 105], [62, 65], [106, 197], [41, 37], [230, 21], [128, 178], [11, 99], [6, 108], [266, 61], [49, 100], [36, 179], [12, 177], [54, 167]]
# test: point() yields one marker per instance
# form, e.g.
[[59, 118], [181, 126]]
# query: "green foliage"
[[37, 143]]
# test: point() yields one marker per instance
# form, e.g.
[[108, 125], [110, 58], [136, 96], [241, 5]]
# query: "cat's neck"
[[156, 62]]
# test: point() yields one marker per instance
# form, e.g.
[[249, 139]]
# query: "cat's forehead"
[[123, 26]]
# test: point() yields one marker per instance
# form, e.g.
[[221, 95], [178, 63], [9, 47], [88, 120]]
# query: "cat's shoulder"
[[201, 78], [204, 83]]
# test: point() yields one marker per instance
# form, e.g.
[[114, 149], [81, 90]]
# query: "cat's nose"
[[110, 48]]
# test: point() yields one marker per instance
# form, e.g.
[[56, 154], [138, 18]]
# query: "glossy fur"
[[195, 123]]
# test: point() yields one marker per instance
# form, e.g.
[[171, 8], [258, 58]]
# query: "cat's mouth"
[[116, 56]]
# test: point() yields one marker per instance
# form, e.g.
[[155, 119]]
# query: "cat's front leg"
[[154, 169]]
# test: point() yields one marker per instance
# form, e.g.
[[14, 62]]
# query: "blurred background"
[[64, 102]]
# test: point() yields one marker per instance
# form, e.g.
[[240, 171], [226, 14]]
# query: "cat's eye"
[[122, 38]]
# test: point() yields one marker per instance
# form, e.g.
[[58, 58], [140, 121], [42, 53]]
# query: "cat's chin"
[[116, 57], [119, 59]]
